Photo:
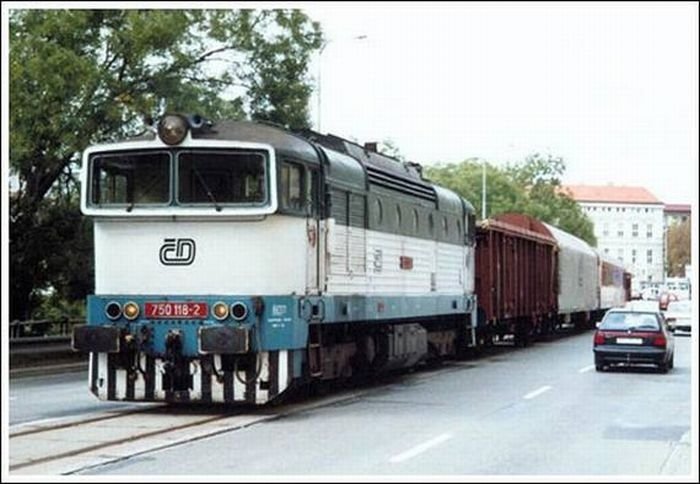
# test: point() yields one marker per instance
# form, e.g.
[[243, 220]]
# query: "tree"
[[389, 148], [502, 194], [531, 187], [81, 76], [678, 238], [539, 175]]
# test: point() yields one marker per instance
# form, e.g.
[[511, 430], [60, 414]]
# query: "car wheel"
[[599, 368], [663, 367], [670, 362]]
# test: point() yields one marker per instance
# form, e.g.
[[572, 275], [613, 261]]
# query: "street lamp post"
[[318, 89]]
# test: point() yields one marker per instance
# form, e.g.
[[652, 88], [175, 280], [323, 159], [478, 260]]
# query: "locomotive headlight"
[[239, 311], [131, 310], [172, 129], [113, 310], [220, 310]]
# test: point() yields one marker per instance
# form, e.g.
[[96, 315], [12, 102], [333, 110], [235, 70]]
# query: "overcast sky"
[[613, 89]]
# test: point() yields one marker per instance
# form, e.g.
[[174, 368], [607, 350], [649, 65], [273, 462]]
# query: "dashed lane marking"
[[537, 392], [420, 448]]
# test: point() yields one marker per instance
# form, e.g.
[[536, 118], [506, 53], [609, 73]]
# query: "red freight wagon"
[[516, 278]]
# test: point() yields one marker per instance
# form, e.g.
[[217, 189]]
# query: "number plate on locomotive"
[[176, 310]]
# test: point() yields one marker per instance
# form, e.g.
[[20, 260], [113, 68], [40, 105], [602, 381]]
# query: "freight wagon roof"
[[491, 224], [527, 223], [571, 242], [609, 260]]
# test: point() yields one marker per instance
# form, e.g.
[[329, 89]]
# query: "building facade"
[[629, 226], [676, 213]]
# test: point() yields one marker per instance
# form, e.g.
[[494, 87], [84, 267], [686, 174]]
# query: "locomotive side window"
[[470, 228], [377, 212], [206, 177], [292, 187], [130, 179]]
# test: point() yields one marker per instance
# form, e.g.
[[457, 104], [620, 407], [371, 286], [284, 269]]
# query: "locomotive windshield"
[[129, 179], [215, 178], [200, 178]]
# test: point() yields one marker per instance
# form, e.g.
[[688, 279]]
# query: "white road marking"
[[537, 392], [37, 422], [586, 368], [414, 451]]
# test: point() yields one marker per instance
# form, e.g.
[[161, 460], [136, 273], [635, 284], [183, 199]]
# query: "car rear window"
[[625, 321]]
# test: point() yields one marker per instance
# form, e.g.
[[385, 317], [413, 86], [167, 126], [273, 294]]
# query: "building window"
[[623, 209], [605, 230], [606, 250], [635, 230], [620, 254], [620, 231], [650, 254], [634, 256], [649, 232]]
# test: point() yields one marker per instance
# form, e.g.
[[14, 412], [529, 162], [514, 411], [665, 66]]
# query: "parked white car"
[[678, 315]]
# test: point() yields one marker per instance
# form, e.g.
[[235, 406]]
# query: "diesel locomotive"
[[236, 261]]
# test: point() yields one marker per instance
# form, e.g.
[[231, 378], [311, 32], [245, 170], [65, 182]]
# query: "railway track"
[[70, 446]]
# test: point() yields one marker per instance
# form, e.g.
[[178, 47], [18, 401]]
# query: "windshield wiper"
[[206, 187]]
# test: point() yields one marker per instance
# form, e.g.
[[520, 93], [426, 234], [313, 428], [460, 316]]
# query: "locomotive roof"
[[284, 142], [373, 161], [350, 164]]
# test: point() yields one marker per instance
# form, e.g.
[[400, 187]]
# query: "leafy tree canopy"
[[531, 187], [83, 76]]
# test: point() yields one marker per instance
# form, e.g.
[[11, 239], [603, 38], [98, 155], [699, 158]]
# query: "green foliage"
[[82, 76], [678, 248], [531, 187], [502, 193], [389, 148]]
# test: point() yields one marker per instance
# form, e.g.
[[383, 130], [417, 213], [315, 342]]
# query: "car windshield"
[[679, 307], [624, 321]]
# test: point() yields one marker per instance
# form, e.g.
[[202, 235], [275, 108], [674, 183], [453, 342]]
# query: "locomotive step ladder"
[[315, 351]]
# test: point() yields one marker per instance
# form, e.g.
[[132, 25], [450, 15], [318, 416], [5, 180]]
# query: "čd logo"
[[177, 252]]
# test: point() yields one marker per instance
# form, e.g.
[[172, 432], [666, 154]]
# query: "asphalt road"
[[542, 410], [44, 398]]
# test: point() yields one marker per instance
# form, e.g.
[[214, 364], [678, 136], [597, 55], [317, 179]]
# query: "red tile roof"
[[609, 193], [677, 207]]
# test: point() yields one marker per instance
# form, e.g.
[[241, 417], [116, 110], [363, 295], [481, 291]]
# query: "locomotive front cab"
[[194, 300]]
